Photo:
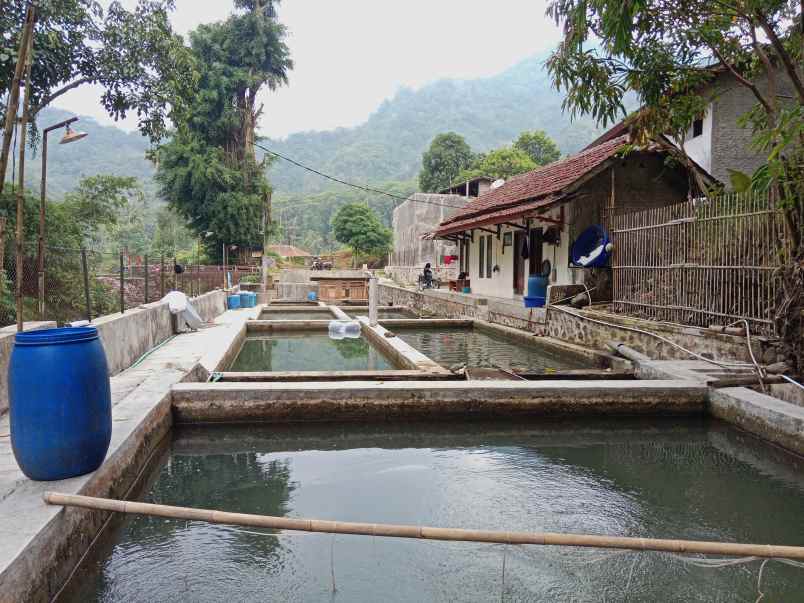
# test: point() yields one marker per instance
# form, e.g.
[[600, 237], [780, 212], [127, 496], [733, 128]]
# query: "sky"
[[350, 55]]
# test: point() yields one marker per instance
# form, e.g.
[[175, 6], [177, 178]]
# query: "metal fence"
[[78, 284], [700, 262]]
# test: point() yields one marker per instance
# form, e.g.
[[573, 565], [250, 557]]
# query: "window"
[[481, 257], [488, 256], [697, 128]]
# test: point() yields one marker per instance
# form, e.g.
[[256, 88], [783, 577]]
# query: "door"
[[535, 249], [519, 262]]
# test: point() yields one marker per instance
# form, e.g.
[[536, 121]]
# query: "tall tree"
[[209, 171], [500, 163], [447, 156], [539, 146], [356, 225], [142, 66]]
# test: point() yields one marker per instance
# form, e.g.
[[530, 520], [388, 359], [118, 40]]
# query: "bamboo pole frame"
[[731, 549]]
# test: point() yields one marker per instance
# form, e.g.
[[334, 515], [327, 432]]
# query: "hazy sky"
[[350, 55]]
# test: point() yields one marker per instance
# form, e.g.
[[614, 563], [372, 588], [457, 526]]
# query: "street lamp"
[[69, 136]]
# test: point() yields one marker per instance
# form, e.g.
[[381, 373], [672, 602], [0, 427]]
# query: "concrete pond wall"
[[125, 337]]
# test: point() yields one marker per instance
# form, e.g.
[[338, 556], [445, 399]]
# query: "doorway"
[[519, 262]]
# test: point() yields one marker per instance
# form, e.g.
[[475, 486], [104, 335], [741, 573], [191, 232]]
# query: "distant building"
[[413, 222], [529, 223], [716, 141]]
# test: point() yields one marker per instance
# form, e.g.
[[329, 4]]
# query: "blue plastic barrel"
[[253, 300], [311, 296], [233, 302], [245, 299], [60, 402], [537, 291]]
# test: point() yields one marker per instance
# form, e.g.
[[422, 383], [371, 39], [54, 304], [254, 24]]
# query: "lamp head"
[[71, 135]]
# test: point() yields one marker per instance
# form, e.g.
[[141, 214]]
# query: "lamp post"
[[69, 136]]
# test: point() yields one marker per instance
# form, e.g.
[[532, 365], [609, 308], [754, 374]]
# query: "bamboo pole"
[[731, 549]]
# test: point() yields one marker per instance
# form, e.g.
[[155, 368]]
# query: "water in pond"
[[311, 351], [690, 479], [291, 315], [476, 349]]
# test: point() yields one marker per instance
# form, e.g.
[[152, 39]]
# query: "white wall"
[[700, 148], [501, 283]]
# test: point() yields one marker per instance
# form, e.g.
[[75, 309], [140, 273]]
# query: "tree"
[[357, 226], [500, 163], [447, 156], [539, 147], [208, 171], [142, 66]]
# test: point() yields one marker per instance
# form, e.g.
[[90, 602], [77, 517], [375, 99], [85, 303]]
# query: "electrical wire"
[[367, 189]]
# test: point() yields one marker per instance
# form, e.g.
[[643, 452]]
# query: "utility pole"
[[266, 224]]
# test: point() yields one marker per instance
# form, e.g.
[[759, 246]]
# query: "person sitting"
[[428, 276]]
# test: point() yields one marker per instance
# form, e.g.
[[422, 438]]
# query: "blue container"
[[537, 291], [60, 402], [253, 297], [245, 299], [590, 239], [233, 301], [311, 296]]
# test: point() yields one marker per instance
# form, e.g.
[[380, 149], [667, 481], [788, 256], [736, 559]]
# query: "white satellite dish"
[[497, 183]]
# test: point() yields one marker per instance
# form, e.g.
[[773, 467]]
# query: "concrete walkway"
[[36, 538]]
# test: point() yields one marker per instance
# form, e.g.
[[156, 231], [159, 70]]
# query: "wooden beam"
[[519, 226]]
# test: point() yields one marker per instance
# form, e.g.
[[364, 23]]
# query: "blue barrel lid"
[[56, 336]]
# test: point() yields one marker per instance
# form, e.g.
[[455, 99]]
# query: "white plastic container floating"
[[344, 329]]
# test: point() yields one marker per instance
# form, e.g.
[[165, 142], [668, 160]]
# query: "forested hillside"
[[384, 152], [107, 150], [487, 112]]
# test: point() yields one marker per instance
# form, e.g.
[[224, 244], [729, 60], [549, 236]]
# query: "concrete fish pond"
[[368, 470], [685, 478]]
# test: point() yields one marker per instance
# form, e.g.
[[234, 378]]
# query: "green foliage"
[[134, 56], [306, 220], [446, 158], [357, 226], [538, 146], [500, 163], [208, 172]]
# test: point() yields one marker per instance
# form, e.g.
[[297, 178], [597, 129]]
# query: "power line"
[[367, 189]]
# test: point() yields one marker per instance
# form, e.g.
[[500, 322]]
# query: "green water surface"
[[311, 351], [670, 479]]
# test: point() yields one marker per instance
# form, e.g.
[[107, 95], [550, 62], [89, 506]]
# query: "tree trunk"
[[14, 93]]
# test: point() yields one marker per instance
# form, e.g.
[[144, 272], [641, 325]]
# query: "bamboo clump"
[[428, 533]]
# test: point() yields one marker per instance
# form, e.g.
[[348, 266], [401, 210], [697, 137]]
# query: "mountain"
[[106, 150], [488, 112]]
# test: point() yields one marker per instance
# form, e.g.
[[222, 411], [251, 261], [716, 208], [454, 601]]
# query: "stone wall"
[[562, 325], [447, 304]]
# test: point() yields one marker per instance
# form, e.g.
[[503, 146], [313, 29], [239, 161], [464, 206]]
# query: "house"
[[416, 218], [527, 225], [290, 252], [716, 141]]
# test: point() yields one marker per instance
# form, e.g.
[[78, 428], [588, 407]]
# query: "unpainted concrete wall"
[[125, 337]]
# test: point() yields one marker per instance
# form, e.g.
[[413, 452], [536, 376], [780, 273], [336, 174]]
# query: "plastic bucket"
[[233, 302], [60, 402], [311, 296]]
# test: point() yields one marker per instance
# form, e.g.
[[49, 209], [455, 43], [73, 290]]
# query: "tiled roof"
[[288, 251], [533, 187]]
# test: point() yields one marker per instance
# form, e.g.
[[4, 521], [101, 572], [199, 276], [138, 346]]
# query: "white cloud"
[[350, 55]]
